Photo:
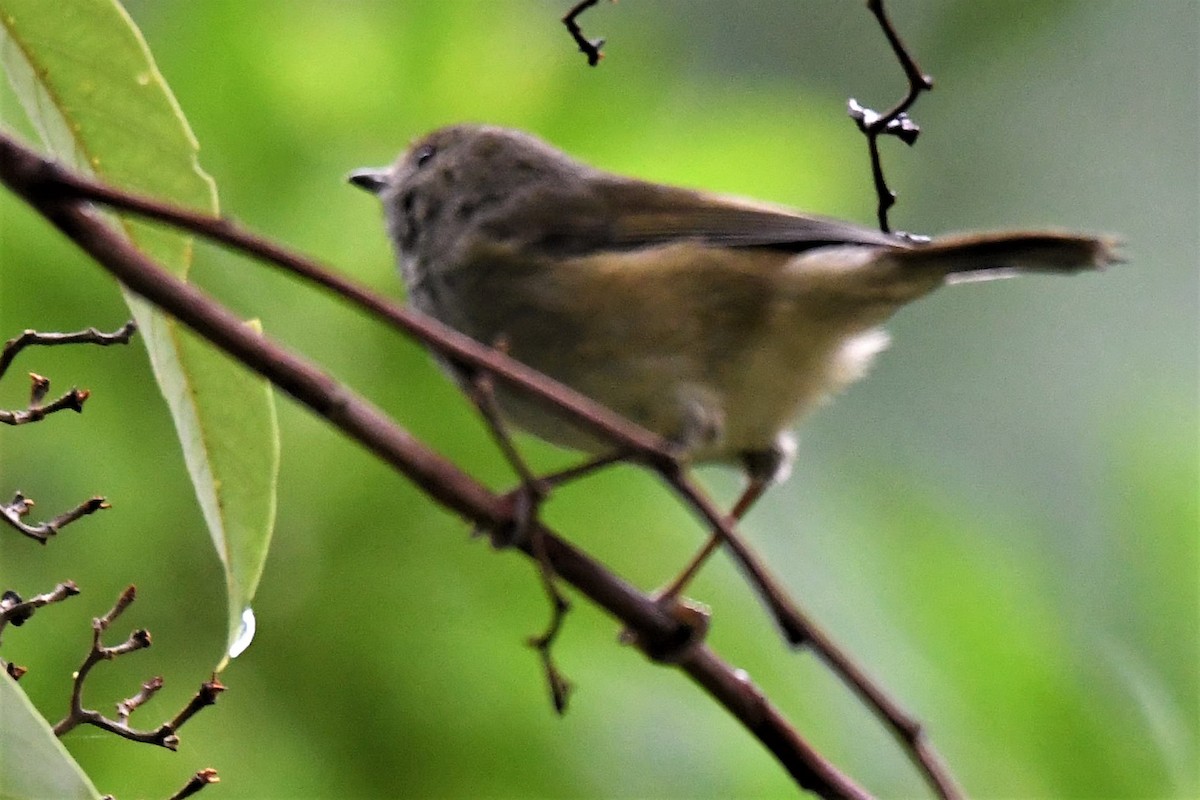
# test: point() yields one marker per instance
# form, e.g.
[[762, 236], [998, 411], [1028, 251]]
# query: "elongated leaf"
[[33, 763], [86, 78]]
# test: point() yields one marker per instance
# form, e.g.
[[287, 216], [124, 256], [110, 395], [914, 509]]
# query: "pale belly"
[[716, 355]]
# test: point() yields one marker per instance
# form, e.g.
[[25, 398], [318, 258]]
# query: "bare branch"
[[198, 781], [71, 401], [560, 687], [16, 611], [205, 696], [46, 187], [165, 734], [90, 336], [21, 505]]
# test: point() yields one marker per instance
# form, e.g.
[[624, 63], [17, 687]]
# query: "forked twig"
[[589, 47], [72, 400], [560, 687], [895, 121], [165, 734], [36, 412], [20, 506]]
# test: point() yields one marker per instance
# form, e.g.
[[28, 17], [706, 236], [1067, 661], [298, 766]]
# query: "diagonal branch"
[[26, 173], [641, 446], [636, 443]]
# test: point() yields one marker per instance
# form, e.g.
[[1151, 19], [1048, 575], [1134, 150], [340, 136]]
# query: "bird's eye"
[[423, 155]]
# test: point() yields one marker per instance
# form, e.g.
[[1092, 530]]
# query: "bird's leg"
[[754, 490], [694, 616], [555, 479], [529, 494], [763, 468]]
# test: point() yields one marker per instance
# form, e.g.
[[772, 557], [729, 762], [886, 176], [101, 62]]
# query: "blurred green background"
[[1001, 522]]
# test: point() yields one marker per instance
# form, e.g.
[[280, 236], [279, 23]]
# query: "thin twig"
[[198, 781], [90, 336], [42, 186], [206, 695], [482, 392], [21, 505], [131, 704], [71, 401], [589, 47], [592, 465], [16, 611], [560, 687], [527, 499], [895, 121]]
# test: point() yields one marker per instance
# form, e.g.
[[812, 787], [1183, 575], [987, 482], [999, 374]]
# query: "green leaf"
[[92, 91], [33, 762]]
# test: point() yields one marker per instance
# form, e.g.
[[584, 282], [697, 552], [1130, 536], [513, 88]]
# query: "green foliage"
[[83, 74], [33, 763]]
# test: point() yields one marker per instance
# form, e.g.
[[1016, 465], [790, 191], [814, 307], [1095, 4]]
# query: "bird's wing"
[[610, 214]]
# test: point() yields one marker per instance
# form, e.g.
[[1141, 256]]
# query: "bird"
[[716, 322]]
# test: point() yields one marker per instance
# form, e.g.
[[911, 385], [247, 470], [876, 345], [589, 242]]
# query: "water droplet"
[[143, 78], [245, 634]]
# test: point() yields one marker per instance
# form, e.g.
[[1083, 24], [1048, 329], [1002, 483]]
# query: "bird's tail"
[[980, 256]]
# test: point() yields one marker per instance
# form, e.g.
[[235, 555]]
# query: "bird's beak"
[[371, 179]]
